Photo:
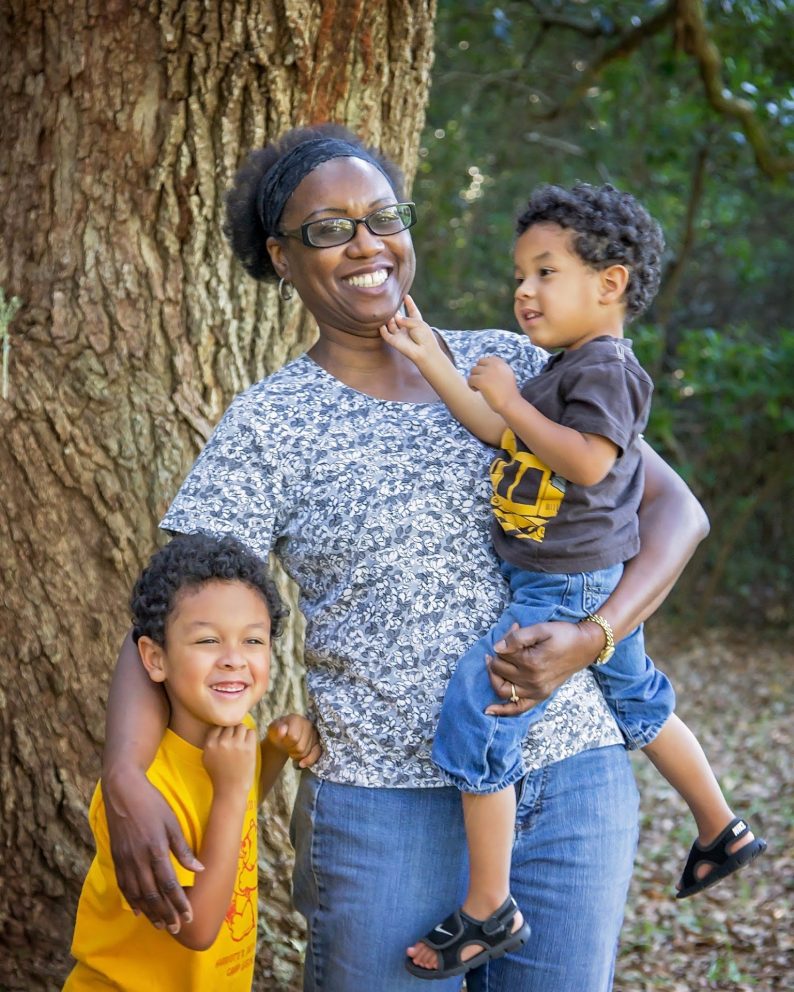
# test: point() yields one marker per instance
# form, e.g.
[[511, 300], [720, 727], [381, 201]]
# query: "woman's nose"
[[364, 242]]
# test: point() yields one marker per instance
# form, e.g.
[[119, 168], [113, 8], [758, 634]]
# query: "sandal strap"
[[736, 828], [719, 848], [447, 932], [498, 921]]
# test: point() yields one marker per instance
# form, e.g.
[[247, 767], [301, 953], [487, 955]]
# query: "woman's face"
[[355, 287]]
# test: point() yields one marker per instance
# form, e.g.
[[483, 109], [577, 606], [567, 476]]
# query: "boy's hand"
[[494, 379], [297, 737], [230, 757], [411, 336]]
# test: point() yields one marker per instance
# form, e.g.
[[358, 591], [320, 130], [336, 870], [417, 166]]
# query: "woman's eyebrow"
[[343, 211]]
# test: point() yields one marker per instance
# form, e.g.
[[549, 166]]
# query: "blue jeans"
[[375, 869], [480, 753]]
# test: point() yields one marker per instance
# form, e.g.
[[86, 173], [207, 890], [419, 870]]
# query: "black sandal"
[[460, 930], [723, 862]]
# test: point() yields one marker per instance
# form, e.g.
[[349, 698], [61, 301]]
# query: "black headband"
[[283, 178]]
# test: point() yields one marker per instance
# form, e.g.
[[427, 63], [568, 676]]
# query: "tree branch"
[[691, 15], [627, 43], [589, 28], [672, 277]]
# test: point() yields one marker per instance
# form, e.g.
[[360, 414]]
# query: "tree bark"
[[123, 121]]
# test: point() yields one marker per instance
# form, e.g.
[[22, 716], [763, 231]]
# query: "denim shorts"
[[376, 869], [482, 754]]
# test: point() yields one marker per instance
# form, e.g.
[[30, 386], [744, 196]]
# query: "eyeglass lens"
[[332, 231]]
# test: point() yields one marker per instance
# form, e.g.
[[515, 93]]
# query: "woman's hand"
[[142, 830], [538, 659]]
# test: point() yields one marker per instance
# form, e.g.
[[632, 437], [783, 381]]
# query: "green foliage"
[[725, 414], [8, 310], [514, 104]]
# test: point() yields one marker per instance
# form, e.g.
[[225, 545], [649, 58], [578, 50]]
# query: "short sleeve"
[[525, 359], [608, 399], [235, 486]]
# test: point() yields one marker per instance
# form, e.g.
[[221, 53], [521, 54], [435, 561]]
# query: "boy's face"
[[559, 301], [216, 658]]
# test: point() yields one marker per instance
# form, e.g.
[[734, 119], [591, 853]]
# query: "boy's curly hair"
[[188, 561], [610, 228]]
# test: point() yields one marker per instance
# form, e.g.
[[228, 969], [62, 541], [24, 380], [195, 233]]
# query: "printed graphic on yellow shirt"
[[526, 493], [241, 915]]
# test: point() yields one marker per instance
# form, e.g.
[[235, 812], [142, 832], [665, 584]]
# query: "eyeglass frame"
[[302, 232]]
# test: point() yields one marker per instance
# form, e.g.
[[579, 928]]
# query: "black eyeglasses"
[[329, 232]]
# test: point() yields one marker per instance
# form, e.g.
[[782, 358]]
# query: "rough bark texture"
[[122, 123]]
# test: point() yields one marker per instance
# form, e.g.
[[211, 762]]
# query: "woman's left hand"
[[538, 659]]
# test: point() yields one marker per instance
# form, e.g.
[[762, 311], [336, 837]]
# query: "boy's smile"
[[559, 301], [216, 658]]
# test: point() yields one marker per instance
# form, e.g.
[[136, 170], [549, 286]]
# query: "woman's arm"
[[538, 659], [141, 824]]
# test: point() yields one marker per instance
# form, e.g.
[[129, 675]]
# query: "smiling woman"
[[345, 465]]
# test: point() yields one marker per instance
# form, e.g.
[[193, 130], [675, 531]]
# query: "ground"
[[737, 695]]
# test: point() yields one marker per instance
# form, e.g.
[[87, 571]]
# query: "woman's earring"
[[285, 290]]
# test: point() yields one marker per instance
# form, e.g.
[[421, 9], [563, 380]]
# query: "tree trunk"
[[123, 122]]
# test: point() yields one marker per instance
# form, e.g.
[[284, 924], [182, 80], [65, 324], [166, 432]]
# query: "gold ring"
[[513, 694]]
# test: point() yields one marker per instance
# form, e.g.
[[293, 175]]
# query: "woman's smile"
[[358, 285]]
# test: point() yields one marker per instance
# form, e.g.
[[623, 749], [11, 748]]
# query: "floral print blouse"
[[379, 510]]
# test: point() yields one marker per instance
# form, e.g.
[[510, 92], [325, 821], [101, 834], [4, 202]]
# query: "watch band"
[[609, 648]]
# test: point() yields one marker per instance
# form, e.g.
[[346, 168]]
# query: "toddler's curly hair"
[[188, 561], [609, 228]]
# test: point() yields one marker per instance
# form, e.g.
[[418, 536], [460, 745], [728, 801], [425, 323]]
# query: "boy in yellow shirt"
[[204, 611]]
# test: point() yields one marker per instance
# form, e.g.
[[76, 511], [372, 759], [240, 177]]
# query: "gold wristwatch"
[[609, 647]]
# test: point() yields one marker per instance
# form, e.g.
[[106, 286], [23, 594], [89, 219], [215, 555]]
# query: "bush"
[[723, 415]]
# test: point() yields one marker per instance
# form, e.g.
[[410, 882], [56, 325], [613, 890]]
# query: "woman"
[[348, 467]]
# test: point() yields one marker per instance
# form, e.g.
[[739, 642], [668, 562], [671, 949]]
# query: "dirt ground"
[[738, 697]]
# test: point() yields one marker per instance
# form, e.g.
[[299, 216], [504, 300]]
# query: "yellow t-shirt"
[[116, 949]]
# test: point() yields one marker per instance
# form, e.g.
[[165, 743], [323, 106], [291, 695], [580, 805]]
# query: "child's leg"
[[678, 756], [481, 756], [490, 825]]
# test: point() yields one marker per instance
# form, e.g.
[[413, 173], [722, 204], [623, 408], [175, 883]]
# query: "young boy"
[[204, 612], [566, 490]]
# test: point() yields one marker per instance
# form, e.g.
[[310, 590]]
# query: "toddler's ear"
[[151, 654], [614, 280]]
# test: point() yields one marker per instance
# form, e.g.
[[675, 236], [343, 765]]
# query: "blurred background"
[[524, 93]]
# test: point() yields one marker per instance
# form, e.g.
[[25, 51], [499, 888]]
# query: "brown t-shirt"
[[544, 523]]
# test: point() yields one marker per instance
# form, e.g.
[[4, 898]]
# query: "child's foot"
[[707, 864], [462, 942]]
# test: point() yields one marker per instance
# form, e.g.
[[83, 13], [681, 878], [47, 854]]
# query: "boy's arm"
[[584, 459], [415, 339], [291, 736], [230, 759], [141, 824]]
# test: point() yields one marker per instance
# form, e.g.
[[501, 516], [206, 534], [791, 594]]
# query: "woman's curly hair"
[[243, 225], [609, 228], [188, 561]]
